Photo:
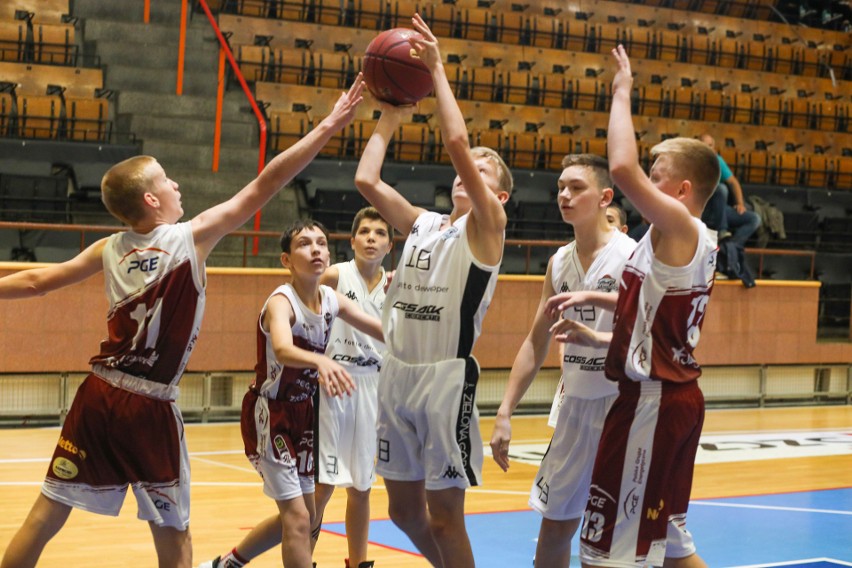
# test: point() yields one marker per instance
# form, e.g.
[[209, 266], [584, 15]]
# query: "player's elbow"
[[457, 142], [365, 182], [621, 171]]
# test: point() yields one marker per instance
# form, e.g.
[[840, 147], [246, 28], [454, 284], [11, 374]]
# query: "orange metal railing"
[[224, 53]]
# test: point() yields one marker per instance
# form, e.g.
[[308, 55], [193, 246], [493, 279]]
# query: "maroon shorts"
[[113, 438], [642, 478]]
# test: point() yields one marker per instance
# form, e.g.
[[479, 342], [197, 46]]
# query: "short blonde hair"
[[504, 174], [123, 186], [694, 161], [372, 214]]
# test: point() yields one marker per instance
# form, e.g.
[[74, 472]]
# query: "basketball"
[[393, 71]]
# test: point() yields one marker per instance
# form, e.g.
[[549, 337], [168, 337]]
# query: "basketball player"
[[616, 217], [124, 427], [277, 419], [636, 512], [429, 447], [347, 426], [590, 266]]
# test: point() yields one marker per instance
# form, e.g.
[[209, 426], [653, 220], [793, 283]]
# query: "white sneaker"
[[210, 563]]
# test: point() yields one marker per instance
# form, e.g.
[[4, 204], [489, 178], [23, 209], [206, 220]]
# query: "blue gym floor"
[[807, 529]]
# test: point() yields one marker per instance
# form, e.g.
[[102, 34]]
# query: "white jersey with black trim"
[[356, 350], [310, 332], [583, 367], [439, 294], [155, 288]]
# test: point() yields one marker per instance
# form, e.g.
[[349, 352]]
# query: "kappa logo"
[[543, 490], [451, 473], [564, 288], [351, 295]]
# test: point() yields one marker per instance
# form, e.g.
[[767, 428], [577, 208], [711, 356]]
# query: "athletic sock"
[[232, 560]]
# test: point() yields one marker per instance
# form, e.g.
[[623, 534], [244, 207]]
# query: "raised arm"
[[357, 318], [368, 178], [331, 277], [486, 208], [213, 224], [527, 363], [667, 214], [279, 319], [40, 281]]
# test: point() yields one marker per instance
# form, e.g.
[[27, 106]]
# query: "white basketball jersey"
[[155, 288], [348, 346], [660, 313], [583, 367], [439, 294], [310, 332]]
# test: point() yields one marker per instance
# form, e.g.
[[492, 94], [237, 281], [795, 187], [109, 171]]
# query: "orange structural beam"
[[181, 47], [261, 122], [220, 96]]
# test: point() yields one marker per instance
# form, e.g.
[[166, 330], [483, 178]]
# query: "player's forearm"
[[24, 284], [604, 300], [368, 176], [296, 358], [527, 363], [453, 126], [623, 154]]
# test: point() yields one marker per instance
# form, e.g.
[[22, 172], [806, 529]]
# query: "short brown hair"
[[504, 174], [123, 186], [597, 164], [622, 215], [369, 213], [297, 227], [695, 161]]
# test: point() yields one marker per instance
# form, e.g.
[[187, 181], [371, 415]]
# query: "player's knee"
[[406, 518]]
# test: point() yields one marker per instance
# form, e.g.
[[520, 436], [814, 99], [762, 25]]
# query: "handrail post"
[[146, 12], [220, 95], [181, 48], [261, 123]]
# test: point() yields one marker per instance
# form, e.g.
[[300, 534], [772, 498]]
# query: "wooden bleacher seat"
[[54, 44], [47, 11], [88, 119], [13, 37], [34, 79], [287, 128], [39, 115], [256, 62]]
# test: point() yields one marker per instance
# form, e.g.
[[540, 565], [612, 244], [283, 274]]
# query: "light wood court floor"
[[227, 498]]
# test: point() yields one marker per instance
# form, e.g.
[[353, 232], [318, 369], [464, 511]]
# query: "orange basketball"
[[393, 71]]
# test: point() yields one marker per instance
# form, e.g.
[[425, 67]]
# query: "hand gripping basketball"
[[393, 71]]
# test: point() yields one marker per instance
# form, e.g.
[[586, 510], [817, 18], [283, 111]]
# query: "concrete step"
[[200, 82], [140, 102], [199, 155], [189, 130], [130, 10], [145, 53], [199, 32]]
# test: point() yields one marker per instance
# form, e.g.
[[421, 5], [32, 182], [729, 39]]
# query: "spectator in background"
[[737, 222]]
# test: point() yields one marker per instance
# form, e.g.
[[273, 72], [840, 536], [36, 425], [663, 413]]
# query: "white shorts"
[[346, 435], [428, 423], [561, 486], [558, 399], [281, 481]]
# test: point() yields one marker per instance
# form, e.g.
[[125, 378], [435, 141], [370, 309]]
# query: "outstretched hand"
[[623, 79], [558, 303], [344, 109], [426, 44], [576, 333]]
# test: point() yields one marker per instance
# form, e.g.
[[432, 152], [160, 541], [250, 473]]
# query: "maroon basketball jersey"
[[659, 314], [156, 297]]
